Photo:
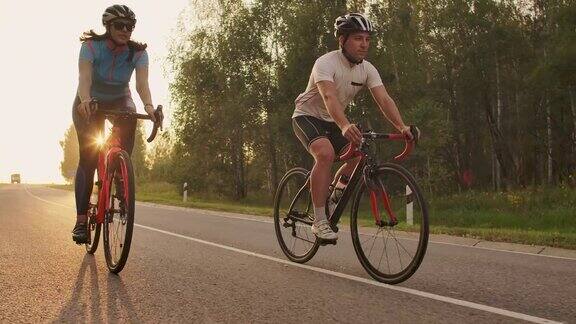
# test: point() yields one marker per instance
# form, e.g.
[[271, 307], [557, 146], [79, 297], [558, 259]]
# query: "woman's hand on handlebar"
[[86, 108], [149, 108]]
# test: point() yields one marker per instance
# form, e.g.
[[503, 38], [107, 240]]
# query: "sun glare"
[[100, 140]]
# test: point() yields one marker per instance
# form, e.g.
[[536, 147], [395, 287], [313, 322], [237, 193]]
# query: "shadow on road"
[[119, 301], [88, 304], [84, 303]]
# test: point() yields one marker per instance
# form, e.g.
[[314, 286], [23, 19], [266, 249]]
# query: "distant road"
[[196, 266]]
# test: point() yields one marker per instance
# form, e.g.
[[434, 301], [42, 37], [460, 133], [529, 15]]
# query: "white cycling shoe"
[[323, 231]]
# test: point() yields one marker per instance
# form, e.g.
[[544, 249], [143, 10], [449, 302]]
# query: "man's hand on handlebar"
[[352, 133], [412, 133]]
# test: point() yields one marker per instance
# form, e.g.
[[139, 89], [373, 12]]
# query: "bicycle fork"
[[377, 190]]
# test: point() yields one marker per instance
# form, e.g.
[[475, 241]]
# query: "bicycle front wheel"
[[389, 224], [119, 220], [293, 216]]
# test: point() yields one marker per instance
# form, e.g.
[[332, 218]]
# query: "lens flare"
[[100, 140]]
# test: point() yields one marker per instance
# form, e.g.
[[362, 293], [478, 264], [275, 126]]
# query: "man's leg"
[[347, 168], [311, 132], [320, 177]]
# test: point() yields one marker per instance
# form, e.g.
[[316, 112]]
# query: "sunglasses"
[[119, 25]]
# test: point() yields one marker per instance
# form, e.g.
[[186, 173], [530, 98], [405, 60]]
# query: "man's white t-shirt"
[[348, 80]]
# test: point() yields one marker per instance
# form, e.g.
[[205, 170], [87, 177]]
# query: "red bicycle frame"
[[379, 190], [108, 151]]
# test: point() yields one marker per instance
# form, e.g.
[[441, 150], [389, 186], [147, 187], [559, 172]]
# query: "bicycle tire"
[[93, 229], [290, 196], [405, 239], [121, 179]]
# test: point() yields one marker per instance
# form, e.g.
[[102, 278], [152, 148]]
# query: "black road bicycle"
[[388, 220]]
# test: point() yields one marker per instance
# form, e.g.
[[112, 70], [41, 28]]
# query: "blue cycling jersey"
[[111, 70]]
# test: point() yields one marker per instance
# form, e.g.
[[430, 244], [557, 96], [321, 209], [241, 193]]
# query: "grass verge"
[[534, 217]]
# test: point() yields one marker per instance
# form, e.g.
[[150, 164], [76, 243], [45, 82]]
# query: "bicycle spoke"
[[381, 255], [117, 225], [399, 256], [373, 241], [386, 251], [294, 239], [401, 245]]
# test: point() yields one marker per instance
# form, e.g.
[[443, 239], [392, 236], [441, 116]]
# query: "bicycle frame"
[[109, 149], [365, 168], [348, 191]]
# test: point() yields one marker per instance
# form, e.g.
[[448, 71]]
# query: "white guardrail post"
[[409, 207], [185, 192]]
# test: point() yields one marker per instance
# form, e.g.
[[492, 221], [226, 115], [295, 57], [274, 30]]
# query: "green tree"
[[490, 83], [70, 151], [138, 156]]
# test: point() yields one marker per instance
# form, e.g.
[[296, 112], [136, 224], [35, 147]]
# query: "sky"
[[39, 74]]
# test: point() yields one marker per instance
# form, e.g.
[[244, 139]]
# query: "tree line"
[[491, 84]]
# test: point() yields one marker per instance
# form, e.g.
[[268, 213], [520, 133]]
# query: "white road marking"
[[445, 299], [454, 301], [217, 214]]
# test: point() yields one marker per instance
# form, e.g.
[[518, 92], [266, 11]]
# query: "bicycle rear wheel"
[[119, 220], [391, 249], [93, 230], [293, 216]]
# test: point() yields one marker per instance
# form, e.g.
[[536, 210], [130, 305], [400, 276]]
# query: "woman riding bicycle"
[[105, 66]]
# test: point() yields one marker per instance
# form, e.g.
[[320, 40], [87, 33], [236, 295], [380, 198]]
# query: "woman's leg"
[[88, 160], [127, 126]]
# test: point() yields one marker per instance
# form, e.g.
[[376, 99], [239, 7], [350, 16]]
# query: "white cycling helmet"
[[117, 11], [352, 22]]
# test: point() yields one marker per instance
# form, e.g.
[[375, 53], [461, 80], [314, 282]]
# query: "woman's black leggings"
[[87, 133]]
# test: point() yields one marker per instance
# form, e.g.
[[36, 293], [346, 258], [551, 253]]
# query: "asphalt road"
[[198, 266]]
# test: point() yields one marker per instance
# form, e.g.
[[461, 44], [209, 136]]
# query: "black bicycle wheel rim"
[[93, 229], [287, 189], [390, 169], [117, 247]]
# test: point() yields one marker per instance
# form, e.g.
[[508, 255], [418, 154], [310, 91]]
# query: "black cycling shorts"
[[308, 129]]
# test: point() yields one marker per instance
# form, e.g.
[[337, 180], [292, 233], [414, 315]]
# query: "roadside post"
[[409, 206], [185, 192]]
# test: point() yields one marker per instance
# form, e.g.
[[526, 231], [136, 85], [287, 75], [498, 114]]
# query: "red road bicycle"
[[114, 207], [388, 219]]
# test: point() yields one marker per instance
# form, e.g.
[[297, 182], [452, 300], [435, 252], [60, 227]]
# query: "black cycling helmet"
[[349, 23], [117, 11], [352, 22]]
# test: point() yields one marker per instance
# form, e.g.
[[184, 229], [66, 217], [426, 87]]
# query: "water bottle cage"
[[336, 195]]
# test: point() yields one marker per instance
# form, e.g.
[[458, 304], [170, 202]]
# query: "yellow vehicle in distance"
[[15, 178]]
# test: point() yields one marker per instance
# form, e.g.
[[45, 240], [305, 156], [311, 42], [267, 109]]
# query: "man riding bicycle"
[[319, 120], [105, 65]]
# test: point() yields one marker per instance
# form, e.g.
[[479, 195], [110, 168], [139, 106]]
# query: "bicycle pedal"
[[78, 241], [328, 242]]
